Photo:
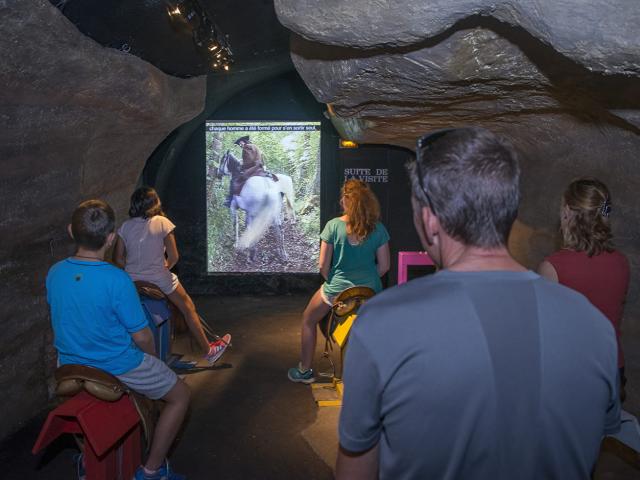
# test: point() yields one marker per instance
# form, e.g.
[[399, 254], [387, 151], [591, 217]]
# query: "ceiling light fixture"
[[191, 15]]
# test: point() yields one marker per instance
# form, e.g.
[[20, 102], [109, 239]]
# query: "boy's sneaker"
[[297, 375], [81, 471], [217, 348], [163, 473]]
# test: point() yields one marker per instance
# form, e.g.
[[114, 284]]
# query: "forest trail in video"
[[302, 253]]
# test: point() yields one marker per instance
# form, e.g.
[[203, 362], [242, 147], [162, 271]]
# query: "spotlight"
[[191, 16], [183, 11], [173, 11], [226, 65]]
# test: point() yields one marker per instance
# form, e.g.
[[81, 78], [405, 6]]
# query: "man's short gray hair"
[[470, 180]]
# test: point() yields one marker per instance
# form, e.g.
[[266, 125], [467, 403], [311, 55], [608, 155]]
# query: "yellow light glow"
[[348, 143], [226, 67], [213, 47], [176, 11]]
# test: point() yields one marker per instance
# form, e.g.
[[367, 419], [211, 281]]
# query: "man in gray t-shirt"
[[483, 370]]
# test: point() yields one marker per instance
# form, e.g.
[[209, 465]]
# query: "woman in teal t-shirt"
[[354, 251]]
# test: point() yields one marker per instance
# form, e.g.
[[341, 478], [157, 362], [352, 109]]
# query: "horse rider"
[[252, 165]]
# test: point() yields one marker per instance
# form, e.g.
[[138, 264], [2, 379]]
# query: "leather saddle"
[[350, 300], [345, 305], [149, 289], [71, 379]]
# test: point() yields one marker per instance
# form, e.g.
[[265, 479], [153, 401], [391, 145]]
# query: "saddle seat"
[[345, 305], [149, 289], [71, 379]]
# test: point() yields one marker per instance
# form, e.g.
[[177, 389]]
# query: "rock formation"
[[78, 121]]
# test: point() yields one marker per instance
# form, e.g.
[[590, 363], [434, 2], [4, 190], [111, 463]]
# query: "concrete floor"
[[247, 421]]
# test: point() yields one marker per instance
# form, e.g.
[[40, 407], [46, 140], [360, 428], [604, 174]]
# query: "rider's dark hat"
[[244, 139]]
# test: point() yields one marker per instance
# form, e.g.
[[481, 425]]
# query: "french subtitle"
[[263, 128]]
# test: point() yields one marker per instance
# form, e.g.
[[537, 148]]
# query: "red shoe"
[[217, 348]]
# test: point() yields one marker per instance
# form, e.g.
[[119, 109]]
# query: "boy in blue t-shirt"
[[98, 321]]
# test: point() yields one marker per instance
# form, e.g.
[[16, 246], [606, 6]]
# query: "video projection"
[[263, 196]]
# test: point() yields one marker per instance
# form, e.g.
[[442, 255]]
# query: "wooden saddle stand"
[[73, 379], [110, 422], [335, 327]]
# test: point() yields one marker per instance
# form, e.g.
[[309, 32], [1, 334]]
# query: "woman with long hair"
[[354, 251], [146, 249], [588, 261]]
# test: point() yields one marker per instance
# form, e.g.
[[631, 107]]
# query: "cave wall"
[[77, 121]]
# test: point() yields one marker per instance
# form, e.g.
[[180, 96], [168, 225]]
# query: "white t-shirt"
[[144, 242]]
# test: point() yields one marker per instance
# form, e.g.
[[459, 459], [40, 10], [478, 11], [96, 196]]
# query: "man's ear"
[[430, 223], [70, 231]]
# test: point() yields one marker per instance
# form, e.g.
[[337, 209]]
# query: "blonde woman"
[[354, 251], [588, 261]]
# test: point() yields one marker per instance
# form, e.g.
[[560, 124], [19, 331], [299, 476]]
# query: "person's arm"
[[357, 466], [172, 250], [383, 258], [360, 425], [144, 340], [324, 262], [120, 253], [547, 271]]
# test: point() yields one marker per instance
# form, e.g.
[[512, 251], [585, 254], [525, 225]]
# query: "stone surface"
[[77, 121], [599, 34], [560, 80]]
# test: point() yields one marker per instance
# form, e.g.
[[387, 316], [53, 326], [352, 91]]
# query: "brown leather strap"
[[149, 289]]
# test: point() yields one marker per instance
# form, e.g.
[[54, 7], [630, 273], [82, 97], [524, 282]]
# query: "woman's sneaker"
[[163, 473], [297, 375], [217, 348]]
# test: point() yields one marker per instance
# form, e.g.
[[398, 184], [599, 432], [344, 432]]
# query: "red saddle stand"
[[111, 431]]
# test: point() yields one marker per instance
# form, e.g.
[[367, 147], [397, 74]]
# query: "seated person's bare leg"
[[181, 299], [171, 418], [316, 309]]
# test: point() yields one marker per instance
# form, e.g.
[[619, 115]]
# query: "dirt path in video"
[[302, 253]]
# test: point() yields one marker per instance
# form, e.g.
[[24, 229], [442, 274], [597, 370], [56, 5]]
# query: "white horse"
[[261, 198]]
